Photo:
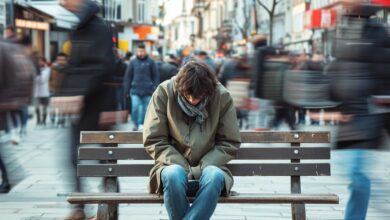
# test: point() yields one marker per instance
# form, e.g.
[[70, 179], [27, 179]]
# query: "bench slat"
[[120, 137], [263, 153], [238, 169], [141, 198]]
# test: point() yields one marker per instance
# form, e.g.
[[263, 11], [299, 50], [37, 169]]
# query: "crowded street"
[[194, 109]]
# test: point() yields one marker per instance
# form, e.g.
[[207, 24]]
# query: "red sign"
[[381, 2], [320, 18]]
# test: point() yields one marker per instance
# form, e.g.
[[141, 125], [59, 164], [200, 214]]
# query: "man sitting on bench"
[[191, 132]]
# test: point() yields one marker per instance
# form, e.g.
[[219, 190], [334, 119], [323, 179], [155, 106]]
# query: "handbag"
[[110, 118], [71, 105]]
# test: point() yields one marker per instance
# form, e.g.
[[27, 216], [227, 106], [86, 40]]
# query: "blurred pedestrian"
[[41, 92], [56, 77], [355, 80], [128, 57], [119, 75], [168, 69], [195, 106], [16, 81], [236, 76], [203, 56], [141, 80], [90, 65]]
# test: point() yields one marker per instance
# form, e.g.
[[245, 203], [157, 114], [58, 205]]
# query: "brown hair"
[[196, 79]]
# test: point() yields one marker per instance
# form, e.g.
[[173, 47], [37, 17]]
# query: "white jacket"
[[41, 88]]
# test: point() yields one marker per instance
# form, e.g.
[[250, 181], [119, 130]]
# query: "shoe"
[[77, 214], [135, 128], [141, 128], [5, 187], [15, 138]]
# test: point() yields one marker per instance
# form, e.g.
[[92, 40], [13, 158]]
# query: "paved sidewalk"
[[39, 164]]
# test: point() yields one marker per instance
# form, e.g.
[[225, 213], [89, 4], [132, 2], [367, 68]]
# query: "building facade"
[[136, 22]]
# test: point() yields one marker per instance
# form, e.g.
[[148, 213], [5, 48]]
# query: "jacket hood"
[[88, 10]]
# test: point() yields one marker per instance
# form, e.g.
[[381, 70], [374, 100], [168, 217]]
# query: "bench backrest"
[[246, 164]]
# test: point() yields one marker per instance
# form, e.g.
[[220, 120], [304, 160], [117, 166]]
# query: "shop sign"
[[381, 2], [320, 18], [28, 24]]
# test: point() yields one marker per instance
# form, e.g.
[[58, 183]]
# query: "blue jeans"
[[138, 108], [360, 186], [175, 185], [120, 99]]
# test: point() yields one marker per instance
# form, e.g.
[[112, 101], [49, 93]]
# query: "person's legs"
[[145, 103], [24, 119], [4, 186], [120, 104], [136, 104], [174, 180], [211, 184], [360, 186], [45, 104], [38, 111]]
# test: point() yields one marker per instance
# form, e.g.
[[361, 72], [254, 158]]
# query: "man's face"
[[193, 101], [141, 53], [71, 5], [61, 60]]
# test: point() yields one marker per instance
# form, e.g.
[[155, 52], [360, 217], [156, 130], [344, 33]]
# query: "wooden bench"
[[249, 165]]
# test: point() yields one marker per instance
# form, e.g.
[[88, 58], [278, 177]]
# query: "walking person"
[[191, 131], [355, 79], [16, 73], [41, 92], [118, 77], [56, 77], [141, 80], [90, 65]]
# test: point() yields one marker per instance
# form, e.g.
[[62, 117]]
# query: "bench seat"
[[142, 198]]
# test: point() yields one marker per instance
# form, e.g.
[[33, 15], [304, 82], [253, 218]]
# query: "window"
[[2, 10], [119, 12], [141, 11], [221, 17]]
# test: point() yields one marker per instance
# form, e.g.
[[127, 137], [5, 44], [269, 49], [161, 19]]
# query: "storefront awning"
[[62, 18]]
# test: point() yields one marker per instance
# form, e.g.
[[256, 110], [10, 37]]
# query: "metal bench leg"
[[298, 211], [107, 212]]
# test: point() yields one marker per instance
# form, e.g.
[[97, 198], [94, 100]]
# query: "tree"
[[271, 14], [247, 23]]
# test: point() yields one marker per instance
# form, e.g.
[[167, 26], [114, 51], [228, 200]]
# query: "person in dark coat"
[[141, 79], [90, 65], [16, 82], [355, 80], [168, 69], [119, 75]]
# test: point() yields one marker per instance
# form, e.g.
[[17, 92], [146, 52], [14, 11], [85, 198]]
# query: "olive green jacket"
[[171, 137]]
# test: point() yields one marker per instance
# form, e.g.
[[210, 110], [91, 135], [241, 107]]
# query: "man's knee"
[[173, 175], [213, 174]]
